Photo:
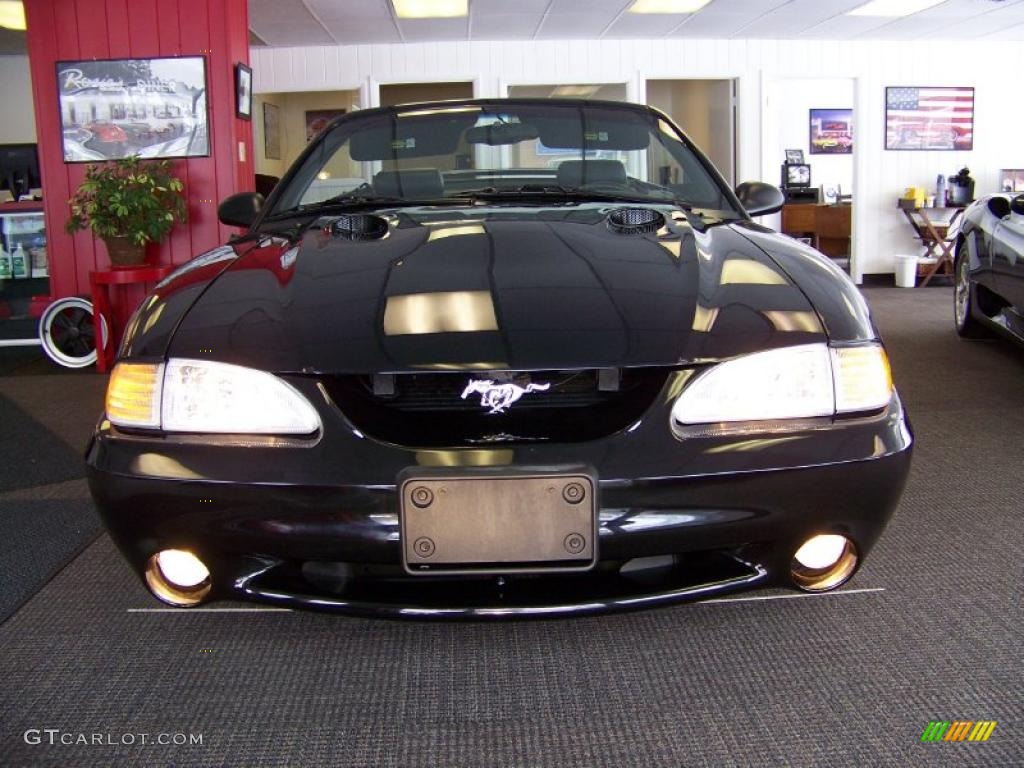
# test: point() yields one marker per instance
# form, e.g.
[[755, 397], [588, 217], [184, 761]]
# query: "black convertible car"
[[990, 268], [500, 357]]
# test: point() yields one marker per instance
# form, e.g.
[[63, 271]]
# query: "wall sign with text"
[[121, 107]]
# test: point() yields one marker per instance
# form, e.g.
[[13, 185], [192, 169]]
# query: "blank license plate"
[[491, 522]]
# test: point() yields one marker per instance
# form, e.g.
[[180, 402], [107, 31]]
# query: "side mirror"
[[760, 199], [240, 210], [1017, 205], [999, 206]]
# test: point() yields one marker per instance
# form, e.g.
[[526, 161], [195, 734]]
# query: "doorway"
[[393, 94], [706, 111], [599, 91], [814, 117]]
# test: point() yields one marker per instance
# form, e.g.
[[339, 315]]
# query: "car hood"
[[497, 288]]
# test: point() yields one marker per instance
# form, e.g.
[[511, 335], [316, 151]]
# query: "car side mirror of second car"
[[760, 199], [240, 210], [1017, 205], [999, 206]]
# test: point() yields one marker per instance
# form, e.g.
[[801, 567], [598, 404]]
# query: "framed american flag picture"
[[929, 118]]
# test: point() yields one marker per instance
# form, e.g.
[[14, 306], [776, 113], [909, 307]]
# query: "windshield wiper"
[[354, 202], [573, 194]]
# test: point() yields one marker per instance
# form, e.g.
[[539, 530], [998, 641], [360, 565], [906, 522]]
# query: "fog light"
[[824, 562], [177, 577]]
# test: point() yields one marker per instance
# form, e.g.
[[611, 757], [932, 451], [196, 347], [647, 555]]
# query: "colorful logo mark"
[[958, 730]]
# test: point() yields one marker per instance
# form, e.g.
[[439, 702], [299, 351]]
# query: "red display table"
[[100, 283]]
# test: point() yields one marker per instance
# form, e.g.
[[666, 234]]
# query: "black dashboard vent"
[[635, 221], [359, 226]]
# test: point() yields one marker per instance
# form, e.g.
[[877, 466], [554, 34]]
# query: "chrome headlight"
[[778, 389], [204, 396]]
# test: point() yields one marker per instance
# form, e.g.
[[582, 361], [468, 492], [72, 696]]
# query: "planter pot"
[[123, 252]]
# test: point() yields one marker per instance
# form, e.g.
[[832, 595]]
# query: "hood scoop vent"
[[635, 221], [359, 226]]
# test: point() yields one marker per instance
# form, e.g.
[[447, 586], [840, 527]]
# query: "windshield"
[[509, 151]]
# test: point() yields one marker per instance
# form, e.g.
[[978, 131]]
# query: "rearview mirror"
[[240, 210], [500, 134], [760, 199], [1017, 205]]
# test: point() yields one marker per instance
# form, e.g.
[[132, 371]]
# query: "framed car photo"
[[831, 131], [243, 92], [151, 108], [318, 119], [929, 118]]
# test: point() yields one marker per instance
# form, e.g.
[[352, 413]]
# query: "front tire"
[[963, 302]]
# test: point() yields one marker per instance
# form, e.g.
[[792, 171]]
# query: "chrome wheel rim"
[[68, 334], [963, 294]]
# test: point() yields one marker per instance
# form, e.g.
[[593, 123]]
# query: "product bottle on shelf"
[[19, 262], [5, 264]]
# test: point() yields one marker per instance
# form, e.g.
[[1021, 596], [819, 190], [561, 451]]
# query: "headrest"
[[415, 183], [579, 173]]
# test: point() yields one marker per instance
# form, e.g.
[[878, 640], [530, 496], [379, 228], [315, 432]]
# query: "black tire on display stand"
[[67, 331]]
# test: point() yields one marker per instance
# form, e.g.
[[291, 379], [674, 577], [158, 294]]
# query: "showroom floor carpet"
[[930, 629], [46, 516]]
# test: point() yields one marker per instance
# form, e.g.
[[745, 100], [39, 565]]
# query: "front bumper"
[[317, 525]]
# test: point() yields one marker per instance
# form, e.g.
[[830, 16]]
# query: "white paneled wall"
[[880, 231]]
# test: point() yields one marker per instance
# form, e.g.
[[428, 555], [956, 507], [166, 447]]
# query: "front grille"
[[429, 410]]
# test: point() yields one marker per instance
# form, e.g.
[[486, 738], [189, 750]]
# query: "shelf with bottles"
[[23, 246]]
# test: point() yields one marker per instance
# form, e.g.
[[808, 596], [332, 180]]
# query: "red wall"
[[61, 30]]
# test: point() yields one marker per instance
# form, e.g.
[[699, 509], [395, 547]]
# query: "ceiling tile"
[[262, 12], [333, 10], [643, 24], [515, 27], [358, 32], [1014, 33], [433, 29], [507, 7], [841, 27], [294, 33], [560, 26], [607, 8], [712, 25]]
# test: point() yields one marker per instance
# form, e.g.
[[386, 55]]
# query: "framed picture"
[[929, 118], [318, 119], [243, 91], [831, 131], [794, 156], [271, 131], [152, 108]]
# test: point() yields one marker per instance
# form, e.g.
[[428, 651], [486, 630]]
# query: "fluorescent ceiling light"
[[667, 6], [430, 9], [12, 14], [893, 8]]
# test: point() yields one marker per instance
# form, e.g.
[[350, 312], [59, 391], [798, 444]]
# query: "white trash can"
[[906, 271]]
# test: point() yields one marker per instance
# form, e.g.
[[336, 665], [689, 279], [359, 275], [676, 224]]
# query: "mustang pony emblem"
[[499, 396]]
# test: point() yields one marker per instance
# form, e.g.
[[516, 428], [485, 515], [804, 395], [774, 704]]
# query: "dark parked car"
[[438, 377], [990, 268]]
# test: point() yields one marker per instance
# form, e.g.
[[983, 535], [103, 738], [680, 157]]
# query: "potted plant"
[[128, 203]]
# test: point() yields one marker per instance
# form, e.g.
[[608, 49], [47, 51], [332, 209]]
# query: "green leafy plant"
[[128, 198]]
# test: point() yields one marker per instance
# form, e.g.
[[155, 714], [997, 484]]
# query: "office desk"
[[828, 226]]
